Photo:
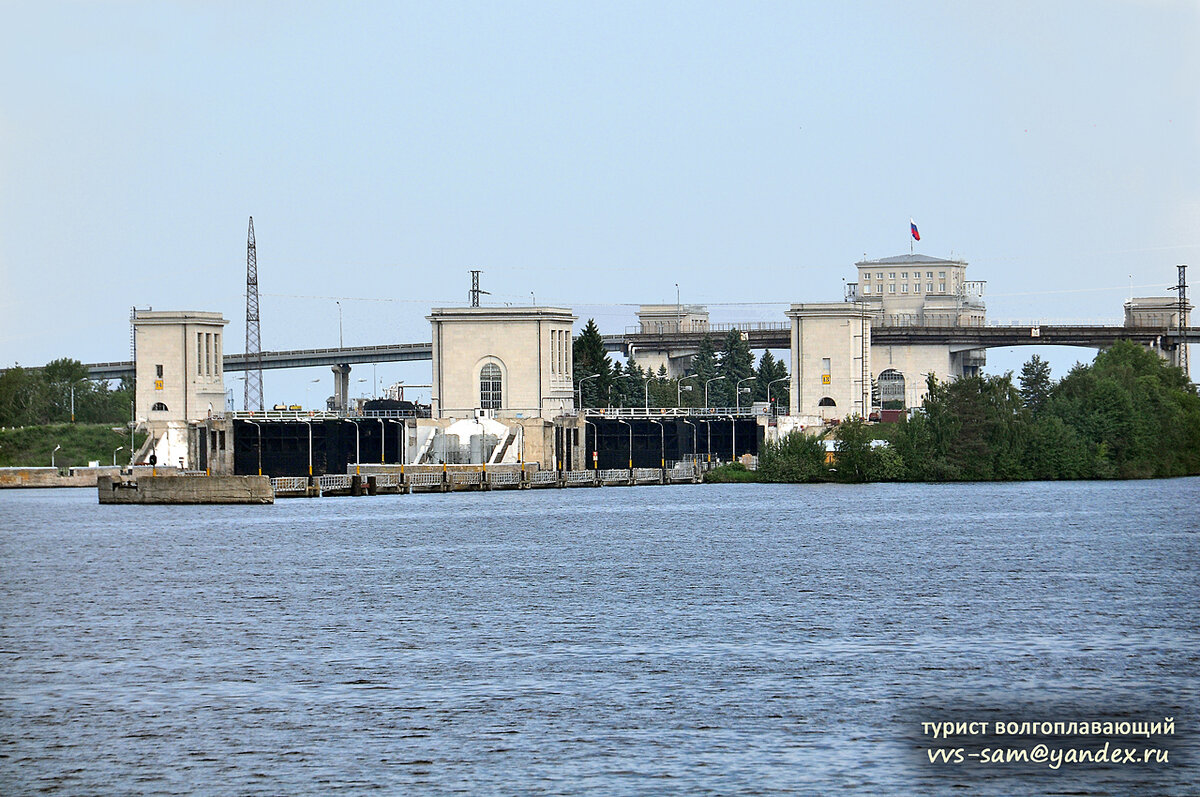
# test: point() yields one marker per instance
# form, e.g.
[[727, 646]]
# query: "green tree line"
[[36, 397], [1127, 415], [604, 383]]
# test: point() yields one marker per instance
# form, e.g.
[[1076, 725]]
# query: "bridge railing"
[[672, 412]]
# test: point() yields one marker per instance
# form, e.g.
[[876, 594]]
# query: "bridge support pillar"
[[341, 387]]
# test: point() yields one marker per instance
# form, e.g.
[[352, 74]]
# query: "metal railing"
[[466, 477], [387, 480], [542, 477], [289, 484], [580, 476], [614, 475], [334, 481], [672, 412], [645, 474], [503, 477], [425, 479]]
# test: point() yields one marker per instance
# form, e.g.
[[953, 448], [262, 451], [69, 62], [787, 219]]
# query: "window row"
[[208, 354], [560, 352], [916, 288]]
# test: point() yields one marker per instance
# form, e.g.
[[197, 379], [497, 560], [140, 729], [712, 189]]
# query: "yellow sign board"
[[158, 384], [825, 379]]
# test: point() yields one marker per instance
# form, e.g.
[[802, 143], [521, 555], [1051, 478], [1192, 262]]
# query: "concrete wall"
[[913, 362], [187, 346], [530, 345], [840, 333], [186, 490]]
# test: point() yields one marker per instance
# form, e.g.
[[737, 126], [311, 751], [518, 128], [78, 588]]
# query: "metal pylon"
[[254, 386]]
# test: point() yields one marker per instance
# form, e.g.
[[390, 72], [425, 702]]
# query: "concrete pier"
[[186, 490]]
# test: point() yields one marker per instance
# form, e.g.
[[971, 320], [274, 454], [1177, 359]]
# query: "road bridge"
[[759, 335], [778, 336]]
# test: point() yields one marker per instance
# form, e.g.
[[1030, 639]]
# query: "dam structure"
[[504, 391]]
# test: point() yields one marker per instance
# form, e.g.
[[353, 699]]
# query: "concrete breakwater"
[[185, 490], [18, 477], [454, 479]]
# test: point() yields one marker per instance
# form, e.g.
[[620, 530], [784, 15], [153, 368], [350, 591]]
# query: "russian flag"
[[916, 235]]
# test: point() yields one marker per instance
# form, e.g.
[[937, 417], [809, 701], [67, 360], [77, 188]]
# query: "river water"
[[655, 640]]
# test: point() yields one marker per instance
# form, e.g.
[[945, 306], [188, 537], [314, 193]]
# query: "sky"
[[587, 155]]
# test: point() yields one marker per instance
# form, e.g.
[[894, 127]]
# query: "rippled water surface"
[[691, 639]]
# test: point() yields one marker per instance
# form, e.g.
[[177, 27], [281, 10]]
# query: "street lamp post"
[[662, 445], [52, 453], [357, 449], [121, 448], [259, 429], [580, 388], [595, 442], [693, 425], [309, 424], [733, 423], [382, 441], [706, 384], [738, 391], [679, 389], [773, 381], [627, 423]]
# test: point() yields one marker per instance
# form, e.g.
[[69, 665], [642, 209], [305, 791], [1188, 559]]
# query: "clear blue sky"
[[595, 154]]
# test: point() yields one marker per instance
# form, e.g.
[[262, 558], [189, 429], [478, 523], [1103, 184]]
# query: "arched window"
[[159, 407], [827, 402], [891, 389], [491, 387]]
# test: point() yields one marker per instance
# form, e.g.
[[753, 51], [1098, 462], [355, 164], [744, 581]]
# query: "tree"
[[769, 369], [1035, 384], [735, 364], [797, 458], [854, 454], [590, 358]]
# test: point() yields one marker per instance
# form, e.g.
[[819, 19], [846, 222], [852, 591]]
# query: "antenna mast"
[[254, 386], [474, 294]]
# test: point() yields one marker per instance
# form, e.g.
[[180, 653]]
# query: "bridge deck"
[[759, 336]]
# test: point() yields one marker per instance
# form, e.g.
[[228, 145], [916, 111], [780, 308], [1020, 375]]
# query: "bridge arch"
[[891, 389]]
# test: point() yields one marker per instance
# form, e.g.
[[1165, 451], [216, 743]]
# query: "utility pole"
[[475, 291], [1183, 322], [253, 398]]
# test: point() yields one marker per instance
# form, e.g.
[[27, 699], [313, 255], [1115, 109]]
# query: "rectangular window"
[[892, 288], [928, 275], [878, 275], [199, 354], [825, 365], [941, 287], [217, 356], [929, 288], [903, 275], [917, 287], [941, 275], [904, 288], [891, 275], [867, 288], [158, 371]]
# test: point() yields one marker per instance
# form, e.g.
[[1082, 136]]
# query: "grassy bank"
[[81, 443]]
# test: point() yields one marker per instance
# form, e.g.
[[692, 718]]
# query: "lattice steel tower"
[[473, 296], [254, 384], [1183, 322]]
